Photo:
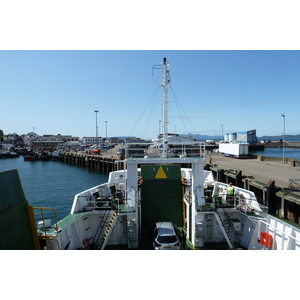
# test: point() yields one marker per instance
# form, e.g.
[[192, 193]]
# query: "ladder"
[[232, 226], [104, 229], [224, 230]]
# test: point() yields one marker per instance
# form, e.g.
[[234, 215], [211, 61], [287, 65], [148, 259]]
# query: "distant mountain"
[[200, 137], [277, 137], [122, 137]]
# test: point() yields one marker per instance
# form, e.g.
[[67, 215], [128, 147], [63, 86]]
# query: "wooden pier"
[[93, 161]]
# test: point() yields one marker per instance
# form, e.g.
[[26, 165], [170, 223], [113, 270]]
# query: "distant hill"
[[277, 137], [122, 137], [200, 137]]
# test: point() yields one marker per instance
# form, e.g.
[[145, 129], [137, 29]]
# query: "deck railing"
[[47, 231], [104, 203], [237, 203]]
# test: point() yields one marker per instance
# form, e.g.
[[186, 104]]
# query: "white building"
[[175, 140], [92, 140]]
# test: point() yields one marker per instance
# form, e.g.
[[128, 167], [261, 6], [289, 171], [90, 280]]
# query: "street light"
[[283, 115], [96, 111], [222, 131], [106, 130], [159, 125]]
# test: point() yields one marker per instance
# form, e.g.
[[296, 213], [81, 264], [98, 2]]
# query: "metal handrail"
[[275, 228], [50, 239], [54, 233], [43, 219], [231, 225]]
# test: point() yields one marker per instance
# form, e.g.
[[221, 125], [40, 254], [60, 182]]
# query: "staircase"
[[104, 229], [224, 229], [237, 237]]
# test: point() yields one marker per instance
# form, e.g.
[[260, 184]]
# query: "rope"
[[154, 94], [179, 106]]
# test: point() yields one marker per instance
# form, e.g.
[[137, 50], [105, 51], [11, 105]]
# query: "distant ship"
[[8, 154]]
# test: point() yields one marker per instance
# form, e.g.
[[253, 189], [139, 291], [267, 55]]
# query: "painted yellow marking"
[[160, 173]]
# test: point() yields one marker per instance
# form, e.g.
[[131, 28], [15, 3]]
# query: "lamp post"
[[106, 131], [159, 125], [222, 131], [96, 111], [283, 142]]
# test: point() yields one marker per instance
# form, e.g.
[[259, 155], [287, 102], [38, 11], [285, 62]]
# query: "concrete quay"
[[261, 170], [269, 180], [279, 144]]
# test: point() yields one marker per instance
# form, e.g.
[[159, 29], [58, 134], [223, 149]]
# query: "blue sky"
[[58, 91]]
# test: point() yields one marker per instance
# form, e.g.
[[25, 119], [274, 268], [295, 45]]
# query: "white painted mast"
[[164, 81], [165, 105]]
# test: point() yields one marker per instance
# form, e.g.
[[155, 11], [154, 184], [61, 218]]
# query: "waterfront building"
[[242, 137], [174, 139], [246, 137], [88, 141], [52, 142], [12, 140], [114, 140]]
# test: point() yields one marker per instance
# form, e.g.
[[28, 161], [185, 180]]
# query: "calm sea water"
[[52, 183], [278, 152]]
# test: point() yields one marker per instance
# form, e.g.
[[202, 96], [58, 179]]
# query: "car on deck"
[[165, 237]]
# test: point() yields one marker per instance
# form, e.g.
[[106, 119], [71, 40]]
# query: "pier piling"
[[92, 161]]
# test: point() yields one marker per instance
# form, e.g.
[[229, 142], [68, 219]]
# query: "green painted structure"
[[17, 226], [161, 194]]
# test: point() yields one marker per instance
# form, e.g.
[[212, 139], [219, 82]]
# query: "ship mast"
[[165, 105], [164, 81]]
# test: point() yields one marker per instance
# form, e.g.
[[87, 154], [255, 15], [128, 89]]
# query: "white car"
[[165, 237]]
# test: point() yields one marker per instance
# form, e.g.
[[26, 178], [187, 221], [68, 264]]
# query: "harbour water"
[[52, 183], [278, 152]]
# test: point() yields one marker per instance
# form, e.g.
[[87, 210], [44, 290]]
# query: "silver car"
[[165, 237]]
